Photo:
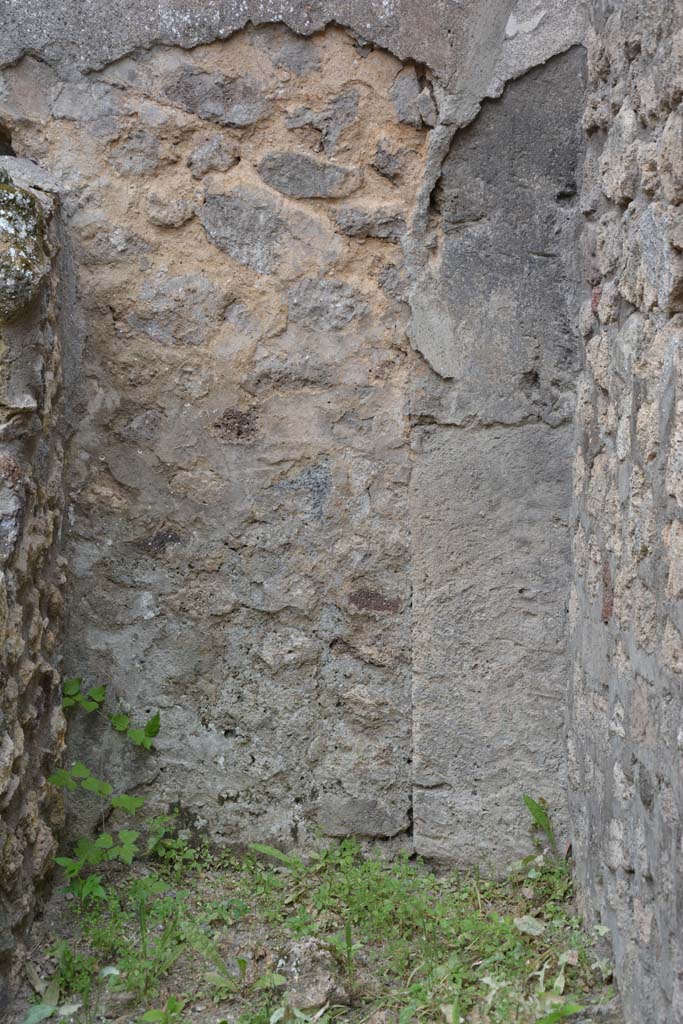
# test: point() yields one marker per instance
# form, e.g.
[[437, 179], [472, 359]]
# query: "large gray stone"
[[246, 225], [383, 222], [325, 305], [137, 154], [304, 177], [260, 232], [178, 309], [232, 102]]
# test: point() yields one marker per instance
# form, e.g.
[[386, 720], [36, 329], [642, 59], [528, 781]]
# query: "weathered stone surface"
[[94, 37], [216, 154], [232, 102], [357, 222], [670, 157], [23, 264], [254, 228], [137, 155], [495, 315], [405, 93], [31, 577], [330, 122], [325, 305], [427, 107], [386, 162], [178, 310], [626, 707], [245, 224], [489, 513], [302, 176]]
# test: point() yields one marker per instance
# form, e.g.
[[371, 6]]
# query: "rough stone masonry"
[[306, 395], [626, 703], [31, 571]]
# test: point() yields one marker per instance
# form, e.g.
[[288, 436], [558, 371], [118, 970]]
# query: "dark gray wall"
[[626, 707]]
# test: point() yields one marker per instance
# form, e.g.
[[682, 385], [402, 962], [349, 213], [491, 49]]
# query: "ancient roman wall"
[[31, 576], [626, 714], [320, 429], [319, 478]]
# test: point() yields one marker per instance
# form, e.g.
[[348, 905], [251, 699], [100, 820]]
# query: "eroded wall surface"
[[626, 711], [319, 481], [319, 474], [31, 578], [493, 314], [239, 544]]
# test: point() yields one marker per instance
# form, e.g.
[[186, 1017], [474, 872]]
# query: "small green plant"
[[47, 1006], [89, 853], [289, 861], [170, 1014], [539, 813], [93, 700], [168, 844]]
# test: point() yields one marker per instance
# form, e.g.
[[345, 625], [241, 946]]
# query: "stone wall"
[[31, 579], [319, 474], [493, 314], [320, 429], [238, 547], [626, 714]]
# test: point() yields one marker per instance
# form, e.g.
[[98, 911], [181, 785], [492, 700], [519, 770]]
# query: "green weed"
[[163, 923]]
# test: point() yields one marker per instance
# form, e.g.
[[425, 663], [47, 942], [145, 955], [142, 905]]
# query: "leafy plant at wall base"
[[293, 863], [170, 1014], [88, 853], [561, 1013], [541, 819], [166, 843], [50, 1005]]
